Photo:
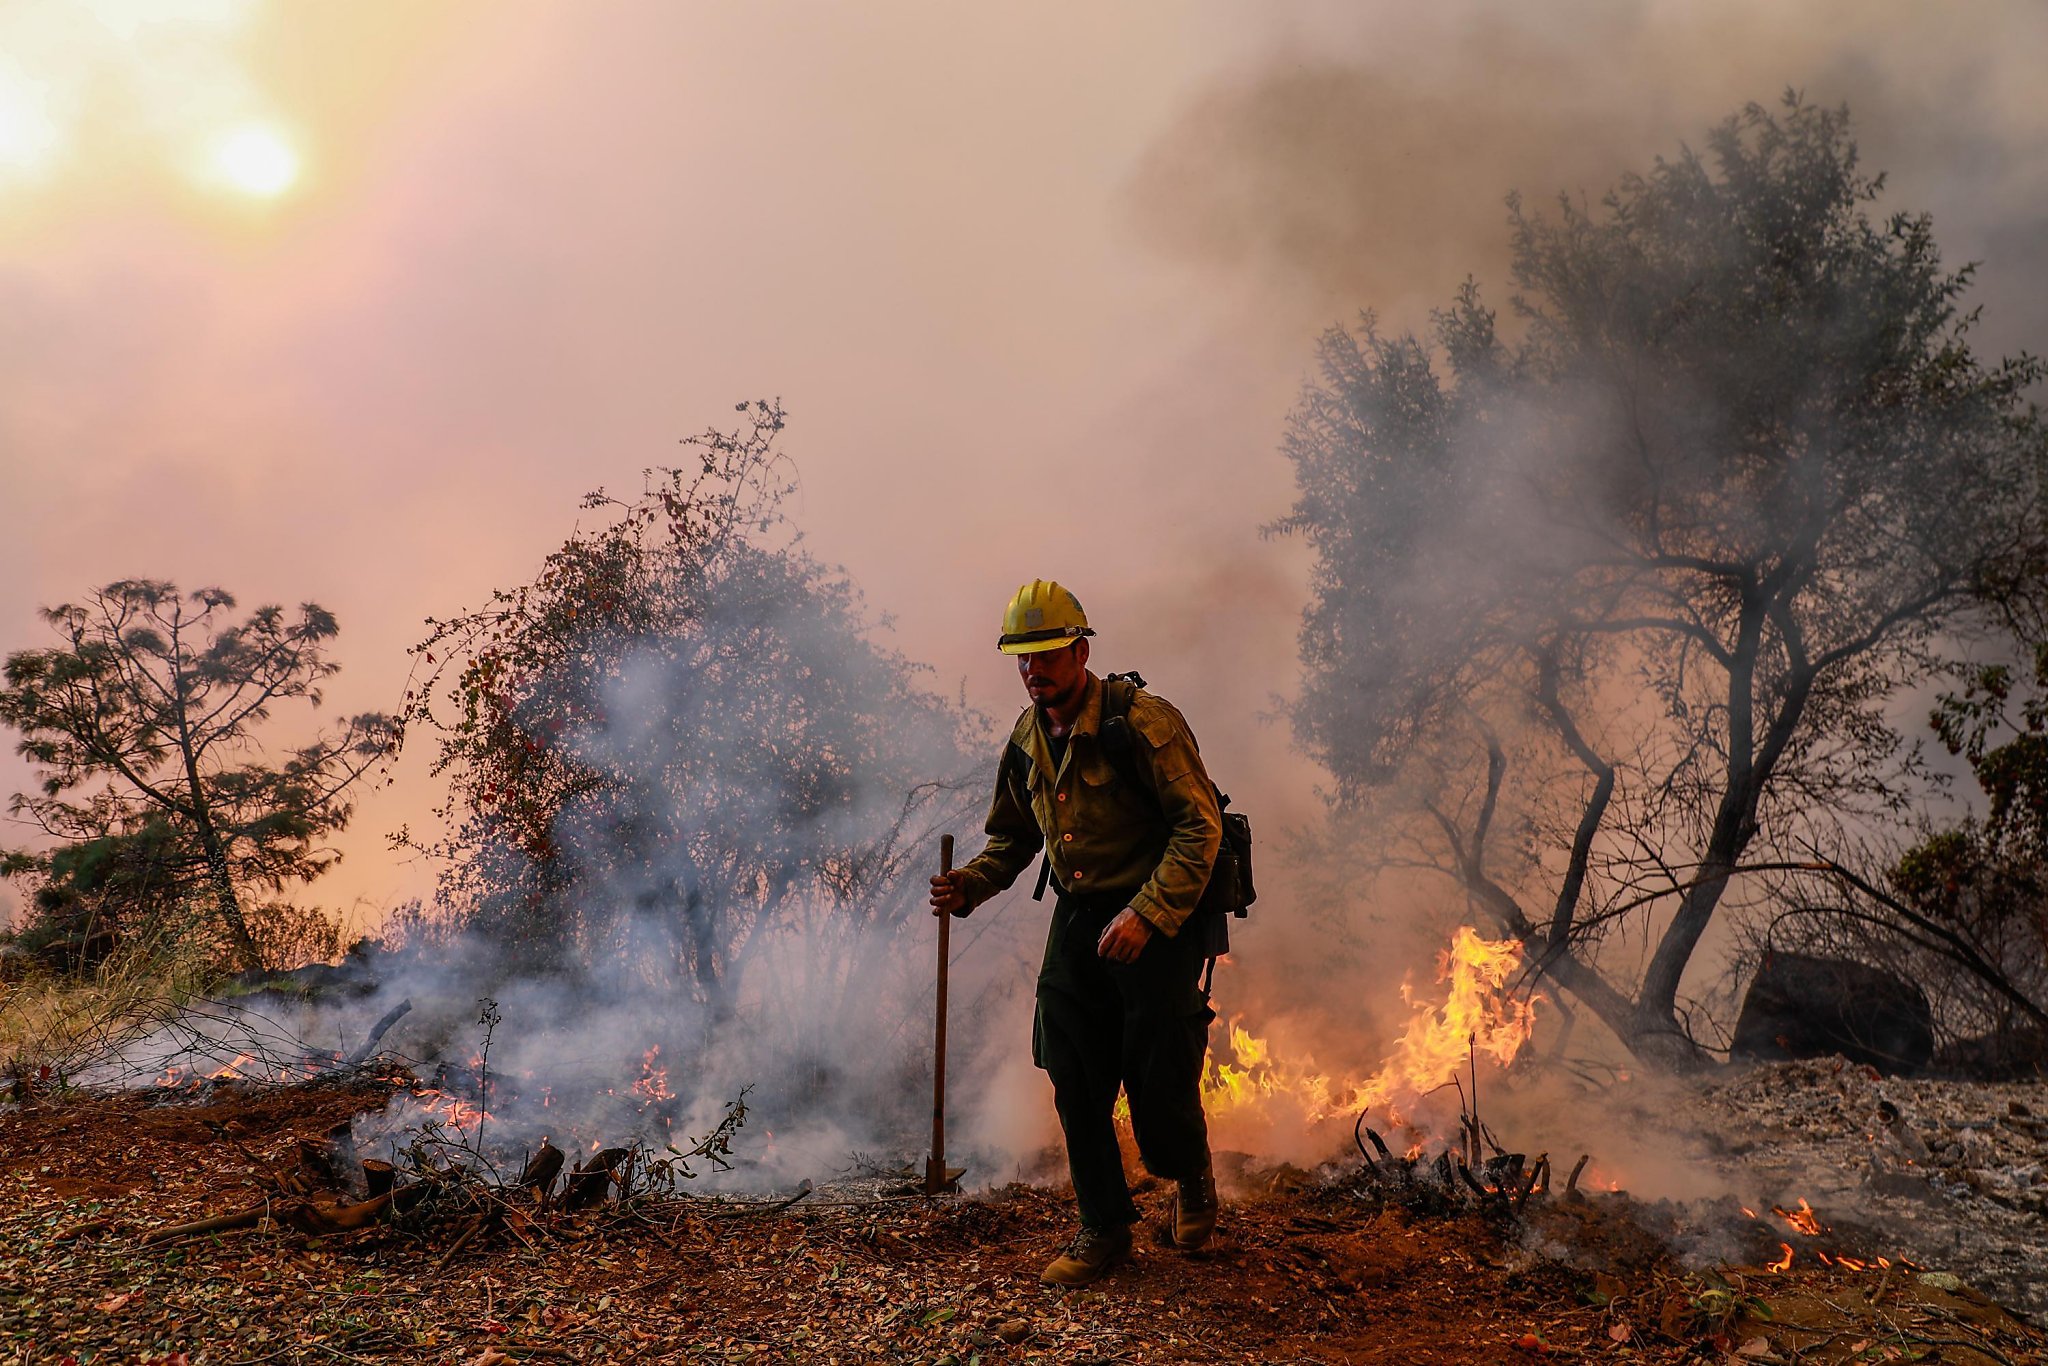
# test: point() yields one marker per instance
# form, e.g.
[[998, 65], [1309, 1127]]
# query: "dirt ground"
[[1297, 1274]]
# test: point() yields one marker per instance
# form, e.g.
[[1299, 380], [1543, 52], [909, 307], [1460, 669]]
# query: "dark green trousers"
[[1141, 1026]]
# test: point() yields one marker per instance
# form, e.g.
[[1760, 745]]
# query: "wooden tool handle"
[[935, 1166]]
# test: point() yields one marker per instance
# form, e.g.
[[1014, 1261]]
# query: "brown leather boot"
[[1194, 1211], [1093, 1253]]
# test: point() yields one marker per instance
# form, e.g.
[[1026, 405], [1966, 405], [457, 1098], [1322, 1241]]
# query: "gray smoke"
[[732, 904], [1362, 162]]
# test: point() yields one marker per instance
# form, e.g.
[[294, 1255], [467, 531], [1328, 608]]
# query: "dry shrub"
[[420, 924], [53, 1026], [288, 936]]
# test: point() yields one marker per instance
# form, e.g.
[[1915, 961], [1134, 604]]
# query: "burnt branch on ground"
[[444, 1190]]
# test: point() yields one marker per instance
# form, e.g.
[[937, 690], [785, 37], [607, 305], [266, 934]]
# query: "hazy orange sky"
[[350, 302]]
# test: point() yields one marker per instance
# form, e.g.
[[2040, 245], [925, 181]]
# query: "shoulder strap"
[[1014, 756], [1114, 731], [1118, 692]]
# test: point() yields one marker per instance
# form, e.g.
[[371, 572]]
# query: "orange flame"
[[1784, 1263], [233, 1071], [1476, 1015], [653, 1083], [1803, 1219], [452, 1111]]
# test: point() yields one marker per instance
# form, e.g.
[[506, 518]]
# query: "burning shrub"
[[1251, 1091], [680, 754]]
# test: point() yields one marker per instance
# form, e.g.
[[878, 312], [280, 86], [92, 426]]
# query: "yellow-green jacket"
[[1102, 837]]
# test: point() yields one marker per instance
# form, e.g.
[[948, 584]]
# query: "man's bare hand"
[[1125, 938], [949, 893]]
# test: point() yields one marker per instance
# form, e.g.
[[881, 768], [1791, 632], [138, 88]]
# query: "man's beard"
[[1058, 699]]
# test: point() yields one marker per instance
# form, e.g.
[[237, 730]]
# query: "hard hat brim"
[[1037, 642]]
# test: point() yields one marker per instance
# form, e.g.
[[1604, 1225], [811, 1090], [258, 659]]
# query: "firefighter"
[[1129, 838]]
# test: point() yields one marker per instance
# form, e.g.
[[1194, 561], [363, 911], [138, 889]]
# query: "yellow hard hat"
[[1043, 616]]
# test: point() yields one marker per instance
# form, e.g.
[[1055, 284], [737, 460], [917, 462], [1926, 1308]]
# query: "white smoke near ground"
[[728, 902]]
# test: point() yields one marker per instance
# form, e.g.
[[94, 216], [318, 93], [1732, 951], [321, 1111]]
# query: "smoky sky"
[[1369, 169], [1037, 287]]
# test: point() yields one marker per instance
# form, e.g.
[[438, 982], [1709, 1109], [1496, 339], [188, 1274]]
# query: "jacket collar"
[[1090, 719]]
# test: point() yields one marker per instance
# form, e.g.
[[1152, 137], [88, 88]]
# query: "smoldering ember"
[[1528, 842]]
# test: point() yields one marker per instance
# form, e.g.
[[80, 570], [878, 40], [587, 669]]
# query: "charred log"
[[541, 1170], [328, 1160], [593, 1177], [322, 1220], [377, 1032], [1538, 1172]]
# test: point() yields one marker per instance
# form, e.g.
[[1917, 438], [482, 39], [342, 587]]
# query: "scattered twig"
[[219, 1223], [272, 1356], [734, 1212], [220, 1131], [1357, 1130], [91, 1228], [1974, 1345], [462, 1240]]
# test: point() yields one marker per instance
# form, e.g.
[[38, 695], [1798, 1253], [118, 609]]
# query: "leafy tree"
[[679, 750], [1964, 909], [1608, 612], [144, 722], [2008, 754]]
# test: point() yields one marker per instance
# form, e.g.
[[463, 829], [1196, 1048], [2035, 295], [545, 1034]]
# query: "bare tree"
[[1609, 613]]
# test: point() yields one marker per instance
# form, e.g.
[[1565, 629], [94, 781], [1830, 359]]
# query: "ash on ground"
[[1951, 1175]]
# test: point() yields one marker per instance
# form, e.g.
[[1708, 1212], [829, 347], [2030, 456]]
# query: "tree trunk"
[[1657, 1004], [226, 902], [1657, 1034]]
